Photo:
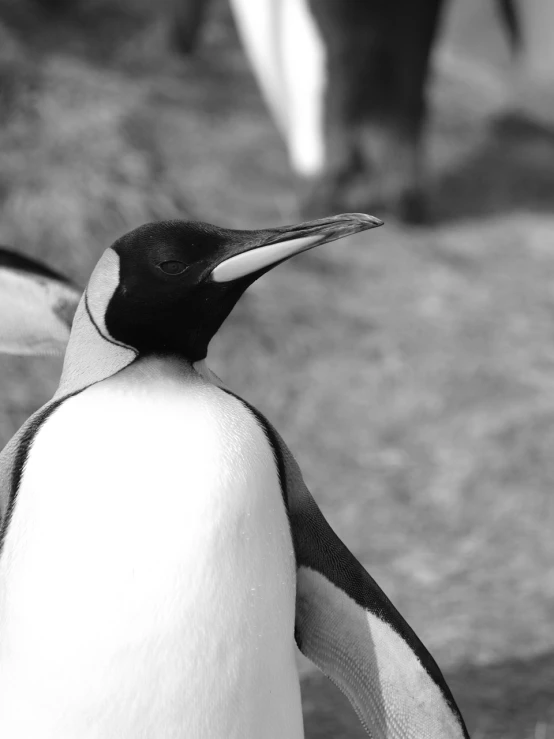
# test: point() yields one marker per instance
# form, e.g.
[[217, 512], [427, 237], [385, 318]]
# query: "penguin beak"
[[266, 249]]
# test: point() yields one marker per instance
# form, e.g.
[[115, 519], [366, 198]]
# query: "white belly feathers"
[[147, 584]]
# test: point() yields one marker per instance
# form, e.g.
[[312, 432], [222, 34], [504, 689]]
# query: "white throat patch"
[[92, 354]]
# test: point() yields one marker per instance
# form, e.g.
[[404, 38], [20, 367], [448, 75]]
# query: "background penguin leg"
[[187, 23], [509, 14], [378, 58]]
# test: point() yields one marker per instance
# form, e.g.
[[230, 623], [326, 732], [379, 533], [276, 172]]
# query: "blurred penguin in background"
[[346, 85]]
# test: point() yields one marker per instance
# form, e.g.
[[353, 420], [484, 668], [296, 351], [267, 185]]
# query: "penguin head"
[[167, 287]]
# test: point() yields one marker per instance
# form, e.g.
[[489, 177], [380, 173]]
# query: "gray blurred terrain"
[[410, 371]]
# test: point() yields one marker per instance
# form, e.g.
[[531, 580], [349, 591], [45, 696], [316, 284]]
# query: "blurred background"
[[411, 369]]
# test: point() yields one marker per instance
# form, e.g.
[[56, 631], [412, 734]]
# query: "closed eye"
[[173, 267]]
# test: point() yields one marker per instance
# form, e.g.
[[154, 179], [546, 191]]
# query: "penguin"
[[288, 56], [345, 84], [37, 305], [160, 552]]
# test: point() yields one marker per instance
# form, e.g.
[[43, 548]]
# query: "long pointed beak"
[[268, 248]]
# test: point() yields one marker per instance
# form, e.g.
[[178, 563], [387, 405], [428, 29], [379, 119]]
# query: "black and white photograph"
[[276, 369]]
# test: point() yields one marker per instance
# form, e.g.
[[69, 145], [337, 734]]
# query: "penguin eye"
[[173, 267]]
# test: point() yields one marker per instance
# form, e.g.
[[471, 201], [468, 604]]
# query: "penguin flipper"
[[348, 627], [37, 306]]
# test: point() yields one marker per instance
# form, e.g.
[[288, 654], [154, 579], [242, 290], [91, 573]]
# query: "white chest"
[[147, 583]]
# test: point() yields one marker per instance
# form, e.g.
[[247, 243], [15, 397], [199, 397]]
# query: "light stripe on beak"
[[276, 245], [261, 257]]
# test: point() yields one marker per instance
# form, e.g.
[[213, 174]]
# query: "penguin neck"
[[93, 356], [153, 368]]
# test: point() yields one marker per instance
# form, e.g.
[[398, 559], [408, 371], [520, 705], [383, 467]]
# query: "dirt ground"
[[410, 371]]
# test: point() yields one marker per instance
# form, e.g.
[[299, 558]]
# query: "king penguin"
[[161, 554], [37, 305]]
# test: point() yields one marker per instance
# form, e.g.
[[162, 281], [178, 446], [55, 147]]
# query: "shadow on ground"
[[510, 169]]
